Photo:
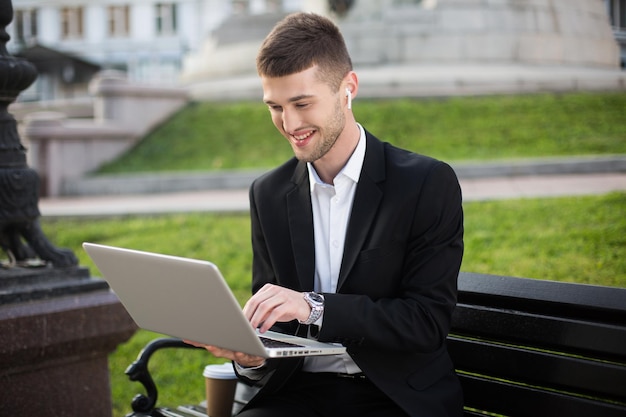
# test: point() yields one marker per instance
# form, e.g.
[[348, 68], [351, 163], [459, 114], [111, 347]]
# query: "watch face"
[[316, 298]]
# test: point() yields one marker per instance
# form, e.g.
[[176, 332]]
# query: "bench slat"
[[562, 299], [550, 370], [523, 401], [600, 340]]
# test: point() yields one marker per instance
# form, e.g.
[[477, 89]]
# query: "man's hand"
[[272, 304], [241, 358], [269, 305]]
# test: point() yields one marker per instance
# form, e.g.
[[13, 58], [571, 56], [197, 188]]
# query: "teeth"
[[302, 137]]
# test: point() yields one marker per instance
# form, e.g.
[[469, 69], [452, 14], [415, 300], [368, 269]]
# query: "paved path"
[[237, 200]]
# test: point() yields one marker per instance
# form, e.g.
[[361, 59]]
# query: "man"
[[354, 242]]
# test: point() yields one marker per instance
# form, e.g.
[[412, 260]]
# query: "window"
[[72, 22], [25, 25], [617, 14], [119, 21], [166, 18]]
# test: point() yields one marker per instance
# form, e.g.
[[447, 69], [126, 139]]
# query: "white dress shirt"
[[332, 204]]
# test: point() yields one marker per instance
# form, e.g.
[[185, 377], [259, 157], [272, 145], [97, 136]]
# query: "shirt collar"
[[352, 169]]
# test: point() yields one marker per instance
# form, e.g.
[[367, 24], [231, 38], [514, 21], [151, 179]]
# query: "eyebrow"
[[293, 99]]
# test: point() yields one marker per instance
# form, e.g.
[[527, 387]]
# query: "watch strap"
[[317, 309]]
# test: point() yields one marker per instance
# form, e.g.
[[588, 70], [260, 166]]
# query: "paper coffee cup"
[[221, 383]]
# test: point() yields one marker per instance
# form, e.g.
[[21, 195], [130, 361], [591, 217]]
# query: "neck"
[[328, 166]]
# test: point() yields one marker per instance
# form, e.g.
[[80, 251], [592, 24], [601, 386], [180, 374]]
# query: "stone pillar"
[[57, 328], [57, 324]]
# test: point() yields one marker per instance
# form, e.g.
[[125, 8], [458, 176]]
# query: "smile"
[[303, 136]]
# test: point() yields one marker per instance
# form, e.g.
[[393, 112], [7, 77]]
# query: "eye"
[[275, 108]]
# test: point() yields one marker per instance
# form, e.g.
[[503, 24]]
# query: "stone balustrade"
[[62, 148]]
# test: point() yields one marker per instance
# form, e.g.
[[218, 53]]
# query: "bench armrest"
[[143, 405]]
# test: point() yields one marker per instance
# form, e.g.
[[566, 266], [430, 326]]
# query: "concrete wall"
[[541, 32]]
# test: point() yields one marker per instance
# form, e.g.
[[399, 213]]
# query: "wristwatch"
[[316, 302]]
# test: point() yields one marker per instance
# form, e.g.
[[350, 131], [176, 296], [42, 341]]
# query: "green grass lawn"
[[577, 239], [214, 136]]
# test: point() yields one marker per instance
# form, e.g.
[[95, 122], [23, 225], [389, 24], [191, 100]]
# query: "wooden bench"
[[521, 347]]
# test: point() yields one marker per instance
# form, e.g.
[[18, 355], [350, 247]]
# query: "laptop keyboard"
[[271, 343]]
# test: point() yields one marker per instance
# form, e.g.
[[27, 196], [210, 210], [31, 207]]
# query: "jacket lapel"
[[300, 217], [366, 201]]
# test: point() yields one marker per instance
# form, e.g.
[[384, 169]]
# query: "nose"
[[290, 120]]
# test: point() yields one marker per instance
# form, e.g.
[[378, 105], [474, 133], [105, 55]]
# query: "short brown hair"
[[300, 41]]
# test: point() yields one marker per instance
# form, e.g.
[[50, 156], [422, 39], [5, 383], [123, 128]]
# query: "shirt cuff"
[[254, 373]]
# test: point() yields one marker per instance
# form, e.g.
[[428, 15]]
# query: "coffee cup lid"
[[223, 371]]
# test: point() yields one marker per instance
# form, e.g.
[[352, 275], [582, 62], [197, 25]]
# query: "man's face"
[[306, 112]]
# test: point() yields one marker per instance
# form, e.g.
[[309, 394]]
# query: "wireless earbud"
[[349, 94]]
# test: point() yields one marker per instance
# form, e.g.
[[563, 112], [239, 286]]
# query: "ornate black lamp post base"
[[21, 237]]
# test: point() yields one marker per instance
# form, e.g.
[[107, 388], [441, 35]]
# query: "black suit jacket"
[[398, 281]]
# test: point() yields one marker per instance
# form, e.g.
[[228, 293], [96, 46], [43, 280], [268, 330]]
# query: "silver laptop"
[[189, 299]]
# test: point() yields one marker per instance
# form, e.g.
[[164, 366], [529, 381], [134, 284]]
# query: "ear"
[[351, 82]]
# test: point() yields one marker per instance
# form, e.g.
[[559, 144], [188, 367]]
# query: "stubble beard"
[[329, 135]]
